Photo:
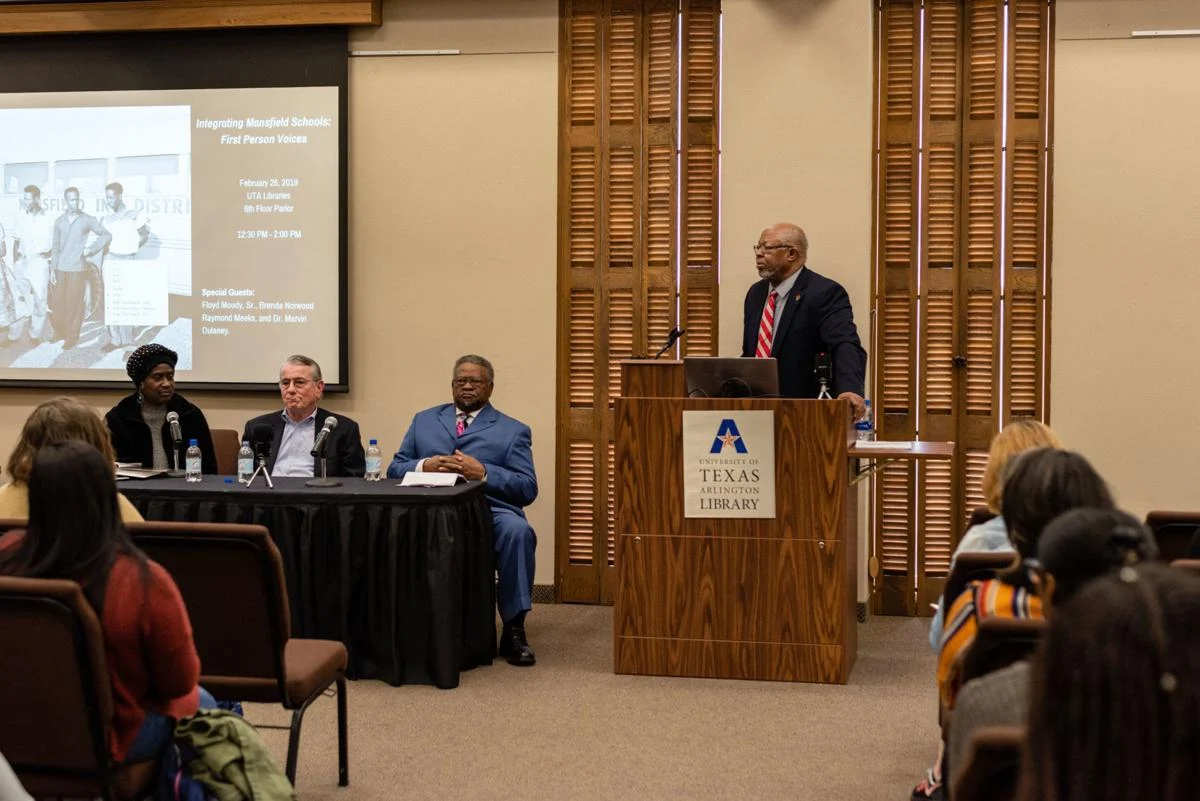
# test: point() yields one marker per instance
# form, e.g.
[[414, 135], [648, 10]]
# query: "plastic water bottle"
[[862, 428], [245, 463], [374, 461], [192, 462]]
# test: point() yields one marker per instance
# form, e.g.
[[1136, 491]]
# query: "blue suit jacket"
[[502, 444]]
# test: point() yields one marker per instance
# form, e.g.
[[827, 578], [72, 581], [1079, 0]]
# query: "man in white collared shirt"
[[294, 430]]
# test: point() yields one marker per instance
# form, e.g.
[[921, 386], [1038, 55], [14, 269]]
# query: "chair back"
[[1188, 564], [993, 766], [54, 689], [980, 516], [227, 443], [999, 642], [1174, 532], [231, 579], [973, 566]]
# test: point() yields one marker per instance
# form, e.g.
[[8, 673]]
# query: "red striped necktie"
[[766, 328]]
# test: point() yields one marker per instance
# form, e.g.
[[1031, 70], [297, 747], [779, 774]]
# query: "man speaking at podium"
[[793, 314]]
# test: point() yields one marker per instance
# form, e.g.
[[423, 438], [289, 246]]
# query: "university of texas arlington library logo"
[[728, 436]]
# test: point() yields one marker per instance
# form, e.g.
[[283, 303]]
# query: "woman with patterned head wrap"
[[140, 431]]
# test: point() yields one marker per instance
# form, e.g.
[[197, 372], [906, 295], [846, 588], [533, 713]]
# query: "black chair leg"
[[343, 735], [294, 743]]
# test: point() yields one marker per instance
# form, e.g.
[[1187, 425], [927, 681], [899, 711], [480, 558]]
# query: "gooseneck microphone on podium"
[[177, 439], [672, 338], [261, 438], [318, 452]]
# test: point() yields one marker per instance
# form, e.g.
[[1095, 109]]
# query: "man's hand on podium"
[[860, 406]]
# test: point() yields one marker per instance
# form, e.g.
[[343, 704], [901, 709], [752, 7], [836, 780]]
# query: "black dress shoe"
[[515, 648]]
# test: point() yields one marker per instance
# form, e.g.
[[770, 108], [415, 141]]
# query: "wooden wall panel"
[[165, 15]]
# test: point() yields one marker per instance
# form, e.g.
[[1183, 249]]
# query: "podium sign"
[[729, 464]]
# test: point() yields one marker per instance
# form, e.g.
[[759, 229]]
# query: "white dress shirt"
[[295, 447]]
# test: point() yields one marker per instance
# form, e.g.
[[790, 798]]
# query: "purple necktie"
[[461, 426]]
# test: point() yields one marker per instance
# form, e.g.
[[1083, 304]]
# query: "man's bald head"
[[782, 249]]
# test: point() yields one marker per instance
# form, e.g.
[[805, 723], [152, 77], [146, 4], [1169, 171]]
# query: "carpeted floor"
[[571, 729]]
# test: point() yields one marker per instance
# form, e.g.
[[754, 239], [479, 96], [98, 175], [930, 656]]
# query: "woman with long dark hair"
[[1115, 708], [1040, 485], [1075, 549], [75, 532]]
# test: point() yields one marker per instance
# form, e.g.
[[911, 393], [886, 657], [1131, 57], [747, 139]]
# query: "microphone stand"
[[824, 393], [261, 470], [323, 481], [178, 472]]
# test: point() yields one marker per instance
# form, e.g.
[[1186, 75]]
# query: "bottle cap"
[[374, 442], [228, 479], [191, 442]]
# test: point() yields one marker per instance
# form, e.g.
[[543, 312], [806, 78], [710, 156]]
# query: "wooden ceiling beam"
[[165, 15]]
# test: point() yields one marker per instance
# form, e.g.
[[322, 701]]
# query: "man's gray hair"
[[471, 358], [305, 361]]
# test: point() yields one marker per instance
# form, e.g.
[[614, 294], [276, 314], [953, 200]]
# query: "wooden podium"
[[732, 598]]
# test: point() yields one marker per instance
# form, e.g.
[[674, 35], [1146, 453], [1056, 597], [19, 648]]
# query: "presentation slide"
[[205, 220]]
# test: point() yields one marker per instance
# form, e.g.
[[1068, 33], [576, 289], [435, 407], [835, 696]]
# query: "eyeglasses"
[[469, 382], [760, 246]]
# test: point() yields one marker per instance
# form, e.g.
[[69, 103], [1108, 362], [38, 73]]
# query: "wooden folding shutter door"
[[637, 236], [962, 188]]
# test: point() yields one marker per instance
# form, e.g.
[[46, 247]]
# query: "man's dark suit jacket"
[[816, 318], [344, 449]]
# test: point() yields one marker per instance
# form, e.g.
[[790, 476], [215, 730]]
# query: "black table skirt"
[[403, 576]]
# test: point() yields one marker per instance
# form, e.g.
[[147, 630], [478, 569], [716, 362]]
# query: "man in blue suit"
[[472, 438]]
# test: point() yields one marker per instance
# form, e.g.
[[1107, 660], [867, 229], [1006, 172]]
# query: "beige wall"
[[452, 234], [453, 210], [1125, 373]]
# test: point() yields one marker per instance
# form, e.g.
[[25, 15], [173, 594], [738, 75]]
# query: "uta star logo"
[[729, 439]]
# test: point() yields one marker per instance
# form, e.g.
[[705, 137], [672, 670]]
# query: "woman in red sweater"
[[75, 532]]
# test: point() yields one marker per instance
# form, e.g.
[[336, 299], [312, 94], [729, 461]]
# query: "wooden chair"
[[227, 443], [998, 643], [231, 578], [56, 697], [1174, 532], [993, 767], [974, 566]]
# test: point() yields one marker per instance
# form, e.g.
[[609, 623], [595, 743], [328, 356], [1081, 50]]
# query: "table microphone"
[[176, 431], [177, 440], [318, 451], [318, 448]]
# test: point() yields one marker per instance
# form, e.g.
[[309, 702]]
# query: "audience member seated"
[[56, 420], [140, 431], [1115, 706], [75, 532], [1038, 486], [1076, 548], [1016, 438]]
